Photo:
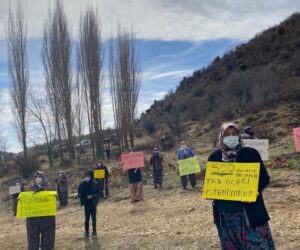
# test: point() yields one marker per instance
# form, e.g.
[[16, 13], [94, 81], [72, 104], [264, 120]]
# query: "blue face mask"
[[231, 141]]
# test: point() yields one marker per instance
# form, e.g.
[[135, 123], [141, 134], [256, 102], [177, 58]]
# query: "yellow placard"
[[37, 204], [188, 166], [231, 181], [99, 173]]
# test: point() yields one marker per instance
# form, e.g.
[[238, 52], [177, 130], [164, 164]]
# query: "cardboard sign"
[[261, 145], [99, 173], [133, 160], [188, 166], [296, 133], [36, 204], [231, 181], [14, 189]]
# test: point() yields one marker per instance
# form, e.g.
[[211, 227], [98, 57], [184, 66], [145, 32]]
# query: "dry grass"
[[168, 219]]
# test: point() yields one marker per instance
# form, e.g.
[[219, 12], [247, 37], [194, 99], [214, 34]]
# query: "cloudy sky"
[[175, 37]]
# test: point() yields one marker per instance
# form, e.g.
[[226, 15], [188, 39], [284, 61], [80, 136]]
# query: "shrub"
[[265, 132], [149, 126], [139, 134], [280, 30], [167, 142], [198, 92], [28, 166], [67, 162]]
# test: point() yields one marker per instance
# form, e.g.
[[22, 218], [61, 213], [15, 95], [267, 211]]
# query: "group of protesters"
[[240, 225]]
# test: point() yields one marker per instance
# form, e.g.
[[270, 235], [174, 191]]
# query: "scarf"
[[44, 185], [227, 153]]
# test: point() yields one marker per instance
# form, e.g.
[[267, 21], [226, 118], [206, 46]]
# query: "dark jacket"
[[256, 212], [62, 184], [88, 188], [156, 161], [134, 175]]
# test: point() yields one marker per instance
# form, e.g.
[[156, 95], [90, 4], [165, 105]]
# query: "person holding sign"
[[240, 225], [62, 188], [157, 167], [183, 153], [14, 192], [102, 180], [40, 230], [88, 192], [135, 183]]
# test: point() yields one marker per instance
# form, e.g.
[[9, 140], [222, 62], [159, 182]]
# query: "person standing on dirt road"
[[183, 153], [157, 168], [103, 183], [241, 225], [62, 188], [135, 183], [40, 230], [88, 193]]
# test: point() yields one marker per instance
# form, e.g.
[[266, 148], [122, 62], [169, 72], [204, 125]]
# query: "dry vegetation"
[[167, 219]]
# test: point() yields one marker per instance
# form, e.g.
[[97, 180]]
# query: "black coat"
[[255, 211], [134, 175], [88, 188]]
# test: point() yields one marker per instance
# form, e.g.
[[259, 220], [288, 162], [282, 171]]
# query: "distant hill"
[[257, 79]]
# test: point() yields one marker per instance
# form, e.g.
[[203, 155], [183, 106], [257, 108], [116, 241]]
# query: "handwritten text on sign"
[[99, 173], [297, 138], [188, 166], [231, 181], [261, 145], [133, 160], [36, 204]]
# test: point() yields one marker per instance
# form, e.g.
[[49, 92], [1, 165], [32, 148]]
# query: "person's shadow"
[[92, 244]]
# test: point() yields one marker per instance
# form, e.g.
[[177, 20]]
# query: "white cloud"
[[149, 75], [192, 20]]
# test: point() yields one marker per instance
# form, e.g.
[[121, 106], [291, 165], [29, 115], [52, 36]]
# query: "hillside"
[[252, 84]]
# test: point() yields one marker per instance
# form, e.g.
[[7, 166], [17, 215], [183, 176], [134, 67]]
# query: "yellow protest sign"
[[231, 181], [188, 166], [36, 204], [99, 173]]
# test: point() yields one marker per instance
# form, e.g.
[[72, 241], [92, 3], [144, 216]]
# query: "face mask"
[[231, 141], [87, 179], [38, 180]]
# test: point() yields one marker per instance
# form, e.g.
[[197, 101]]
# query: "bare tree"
[[39, 107], [114, 92], [18, 71], [90, 60], [3, 151], [79, 113], [56, 55], [125, 81]]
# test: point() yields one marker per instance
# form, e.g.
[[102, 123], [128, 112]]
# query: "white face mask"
[[231, 141], [87, 179], [38, 180]]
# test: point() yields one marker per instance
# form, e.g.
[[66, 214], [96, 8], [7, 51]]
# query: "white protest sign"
[[261, 145], [14, 189]]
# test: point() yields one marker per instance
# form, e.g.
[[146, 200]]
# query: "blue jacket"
[[183, 154]]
